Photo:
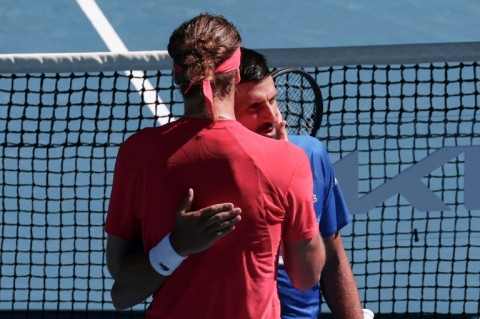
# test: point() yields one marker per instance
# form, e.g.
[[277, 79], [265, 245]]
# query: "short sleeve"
[[301, 222], [121, 219], [334, 215]]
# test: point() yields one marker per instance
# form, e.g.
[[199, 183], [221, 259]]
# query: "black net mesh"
[[409, 124], [59, 136]]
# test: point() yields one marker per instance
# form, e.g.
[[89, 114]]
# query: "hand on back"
[[195, 231]]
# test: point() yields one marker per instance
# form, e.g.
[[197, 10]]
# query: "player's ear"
[[237, 76]]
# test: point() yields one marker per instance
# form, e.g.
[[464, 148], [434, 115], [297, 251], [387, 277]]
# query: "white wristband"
[[163, 258], [368, 314]]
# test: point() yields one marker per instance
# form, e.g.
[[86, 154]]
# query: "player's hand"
[[281, 127], [196, 231]]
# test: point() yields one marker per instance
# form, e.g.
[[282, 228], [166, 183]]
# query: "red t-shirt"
[[269, 180]]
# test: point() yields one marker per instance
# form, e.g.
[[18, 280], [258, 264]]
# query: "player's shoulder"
[[310, 144], [139, 138], [289, 153], [146, 141], [283, 147]]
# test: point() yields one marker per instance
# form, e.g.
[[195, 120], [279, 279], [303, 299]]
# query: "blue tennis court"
[[62, 26]]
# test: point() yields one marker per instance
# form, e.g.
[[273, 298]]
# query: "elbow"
[[316, 279], [310, 276], [307, 278], [118, 299], [307, 282], [304, 285], [305, 269], [119, 305]]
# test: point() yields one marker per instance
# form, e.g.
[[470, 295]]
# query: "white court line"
[[115, 44]]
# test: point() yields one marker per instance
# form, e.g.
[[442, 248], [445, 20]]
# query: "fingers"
[[221, 233], [282, 131], [223, 227], [222, 217], [281, 127], [279, 116], [214, 210], [223, 221], [187, 203], [194, 233]]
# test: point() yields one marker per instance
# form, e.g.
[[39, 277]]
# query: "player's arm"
[[338, 283], [134, 278], [303, 261], [138, 275], [303, 249]]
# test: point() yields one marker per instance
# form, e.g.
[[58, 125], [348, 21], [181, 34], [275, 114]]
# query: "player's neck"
[[223, 108]]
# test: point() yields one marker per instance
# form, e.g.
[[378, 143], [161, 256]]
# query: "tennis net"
[[400, 122]]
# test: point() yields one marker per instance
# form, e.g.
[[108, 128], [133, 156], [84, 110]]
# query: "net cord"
[[298, 57]]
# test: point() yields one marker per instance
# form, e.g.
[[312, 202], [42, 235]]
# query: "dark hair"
[[253, 66], [198, 46]]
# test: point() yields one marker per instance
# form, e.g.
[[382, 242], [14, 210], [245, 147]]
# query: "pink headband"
[[230, 64]]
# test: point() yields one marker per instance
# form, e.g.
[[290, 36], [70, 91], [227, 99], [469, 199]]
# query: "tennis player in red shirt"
[[218, 262]]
